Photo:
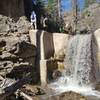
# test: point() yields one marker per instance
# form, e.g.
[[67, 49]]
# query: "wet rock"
[[64, 96], [71, 96], [97, 87], [56, 74]]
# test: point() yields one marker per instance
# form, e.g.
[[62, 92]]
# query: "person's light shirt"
[[33, 17]]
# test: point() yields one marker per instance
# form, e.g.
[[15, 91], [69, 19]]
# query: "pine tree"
[[54, 11], [50, 9]]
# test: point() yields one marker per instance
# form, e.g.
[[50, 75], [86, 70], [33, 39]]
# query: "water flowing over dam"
[[79, 61], [81, 68]]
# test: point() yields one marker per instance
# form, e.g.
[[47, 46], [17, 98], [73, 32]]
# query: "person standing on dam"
[[33, 20]]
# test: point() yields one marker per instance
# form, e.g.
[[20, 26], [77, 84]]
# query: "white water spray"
[[80, 72]]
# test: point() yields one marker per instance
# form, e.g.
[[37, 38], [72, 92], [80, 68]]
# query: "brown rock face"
[[12, 8]]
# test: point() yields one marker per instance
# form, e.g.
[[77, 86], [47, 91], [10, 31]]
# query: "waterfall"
[[79, 74], [79, 60]]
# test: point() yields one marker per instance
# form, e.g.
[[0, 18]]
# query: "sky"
[[66, 5]]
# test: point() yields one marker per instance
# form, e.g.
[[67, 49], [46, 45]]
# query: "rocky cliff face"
[[17, 54]]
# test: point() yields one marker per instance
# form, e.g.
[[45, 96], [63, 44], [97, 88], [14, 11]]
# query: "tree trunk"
[[75, 13], [59, 12]]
